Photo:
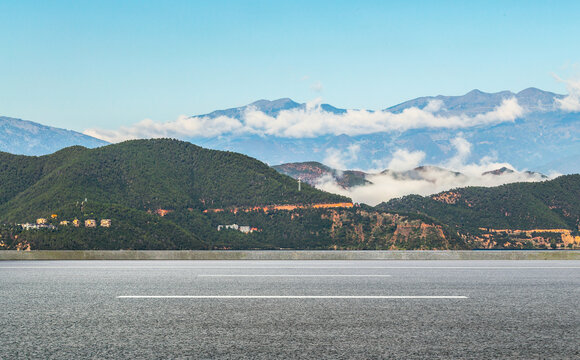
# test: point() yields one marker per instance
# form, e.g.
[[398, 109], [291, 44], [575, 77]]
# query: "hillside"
[[29, 138], [478, 212], [312, 172], [144, 174], [169, 194]]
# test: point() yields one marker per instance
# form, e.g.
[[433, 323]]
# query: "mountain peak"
[[531, 91], [500, 171], [537, 99], [475, 92], [268, 107], [273, 104]]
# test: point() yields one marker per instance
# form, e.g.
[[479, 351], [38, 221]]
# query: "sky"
[[105, 64]]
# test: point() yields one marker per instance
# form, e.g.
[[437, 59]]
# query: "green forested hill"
[[131, 182], [127, 183], [143, 175], [551, 204]]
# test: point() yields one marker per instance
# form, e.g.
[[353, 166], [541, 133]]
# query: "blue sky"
[[81, 64]]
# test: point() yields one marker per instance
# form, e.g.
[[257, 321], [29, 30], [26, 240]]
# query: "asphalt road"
[[290, 309]]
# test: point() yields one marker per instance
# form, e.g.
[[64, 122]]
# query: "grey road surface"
[[290, 309]]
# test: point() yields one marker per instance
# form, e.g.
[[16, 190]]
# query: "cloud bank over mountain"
[[403, 178], [532, 129], [311, 121]]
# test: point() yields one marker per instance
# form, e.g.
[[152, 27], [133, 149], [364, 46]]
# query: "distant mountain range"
[[478, 102], [532, 134], [28, 138], [543, 138]]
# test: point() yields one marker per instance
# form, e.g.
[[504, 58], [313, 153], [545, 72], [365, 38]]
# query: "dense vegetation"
[[129, 182], [145, 175], [551, 204], [131, 229], [309, 228]]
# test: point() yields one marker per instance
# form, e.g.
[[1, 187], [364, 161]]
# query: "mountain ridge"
[[25, 137], [540, 139], [536, 140], [273, 107]]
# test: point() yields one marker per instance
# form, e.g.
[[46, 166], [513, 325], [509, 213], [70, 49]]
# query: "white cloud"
[[463, 150], [434, 106], [183, 127], [310, 121], [430, 180], [572, 101], [405, 160], [340, 159]]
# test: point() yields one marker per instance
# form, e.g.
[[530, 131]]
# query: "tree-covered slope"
[[144, 175], [155, 193], [551, 204]]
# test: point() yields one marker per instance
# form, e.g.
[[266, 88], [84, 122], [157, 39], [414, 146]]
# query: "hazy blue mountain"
[[271, 108], [477, 102], [544, 139], [28, 138]]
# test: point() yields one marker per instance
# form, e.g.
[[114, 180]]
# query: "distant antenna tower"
[[299, 183]]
